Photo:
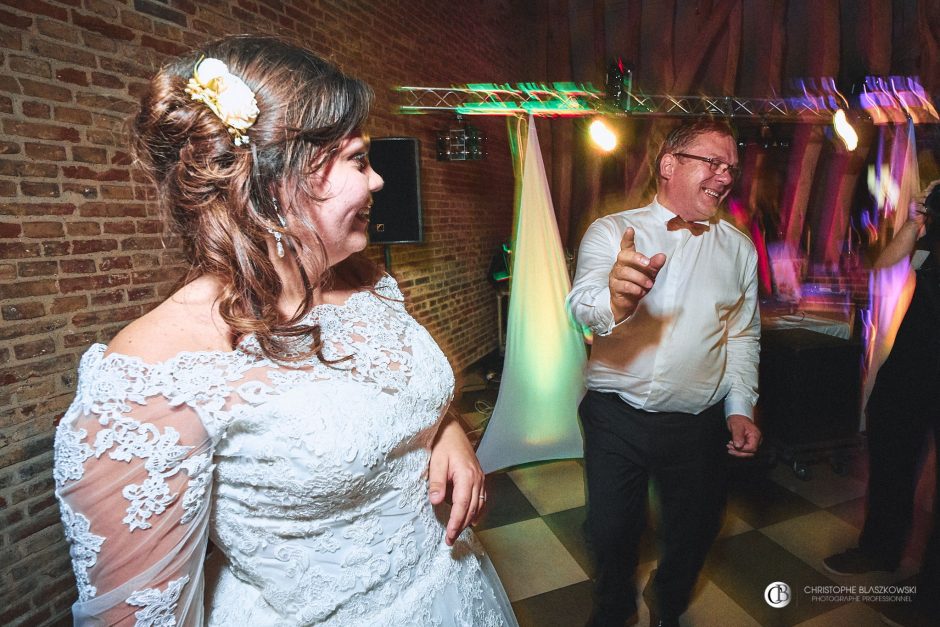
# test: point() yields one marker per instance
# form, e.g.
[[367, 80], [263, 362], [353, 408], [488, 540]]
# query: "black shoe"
[[854, 562]]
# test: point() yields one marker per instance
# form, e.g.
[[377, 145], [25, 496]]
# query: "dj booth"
[[810, 396]]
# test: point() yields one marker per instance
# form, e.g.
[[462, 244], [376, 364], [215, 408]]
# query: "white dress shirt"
[[694, 338]]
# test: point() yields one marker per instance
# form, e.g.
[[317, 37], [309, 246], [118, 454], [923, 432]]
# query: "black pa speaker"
[[396, 208]]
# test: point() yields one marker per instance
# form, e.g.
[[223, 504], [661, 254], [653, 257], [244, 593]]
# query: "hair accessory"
[[277, 234], [230, 99]]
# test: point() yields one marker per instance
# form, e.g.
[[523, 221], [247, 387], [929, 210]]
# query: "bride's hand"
[[453, 461]]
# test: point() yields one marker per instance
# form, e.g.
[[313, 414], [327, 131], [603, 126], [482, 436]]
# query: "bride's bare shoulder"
[[186, 321]]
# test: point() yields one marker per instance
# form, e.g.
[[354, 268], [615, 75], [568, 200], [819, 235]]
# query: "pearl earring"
[[277, 234]]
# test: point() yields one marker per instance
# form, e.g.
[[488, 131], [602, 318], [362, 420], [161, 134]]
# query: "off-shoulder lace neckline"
[[99, 350]]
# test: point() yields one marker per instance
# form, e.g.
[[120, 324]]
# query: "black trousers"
[[684, 457], [896, 445]]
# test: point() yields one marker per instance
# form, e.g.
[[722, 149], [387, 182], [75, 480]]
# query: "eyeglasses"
[[716, 165]]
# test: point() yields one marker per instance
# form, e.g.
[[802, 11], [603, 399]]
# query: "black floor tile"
[[505, 503], [744, 565], [759, 502], [565, 607]]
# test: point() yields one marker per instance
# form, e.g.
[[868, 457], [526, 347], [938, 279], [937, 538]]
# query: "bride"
[[282, 402]]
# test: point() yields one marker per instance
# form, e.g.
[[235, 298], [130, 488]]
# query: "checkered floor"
[[777, 528]]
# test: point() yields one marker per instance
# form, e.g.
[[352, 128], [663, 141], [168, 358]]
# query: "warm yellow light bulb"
[[602, 135], [844, 130]]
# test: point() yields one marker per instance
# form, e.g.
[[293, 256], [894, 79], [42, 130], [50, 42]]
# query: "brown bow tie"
[[677, 223]]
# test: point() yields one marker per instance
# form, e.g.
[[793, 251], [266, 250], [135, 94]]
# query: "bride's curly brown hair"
[[222, 200]]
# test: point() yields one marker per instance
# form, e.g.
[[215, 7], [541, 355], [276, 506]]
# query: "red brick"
[[95, 100], [83, 172], [98, 25], [40, 131], [33, 109], [136, 21], [68, 304], [6, 104], [83, 228], [12, 167], [140, 293], [48, 91], [115, 263], [16, 21], [117, 192], [90, 318], [59, 31], [96, 282], [36, 348], [71, 115], [44, 8], [18, 250], [102, 79], [84, 246], [160, 45], [49, 190], [77, 266], [100, 43], [109, 210], [25, 289], [121, 158], [86, 191], [56, 249], [39, 230], [7, 188], [37, 209], [115, 297], [56, 50], [72, 340], [36, 268], [72, 75], [142, 243], [50, 152], [10, 230], [89, 155], [30, 65], [120, 228], [9, 148], [23, 311], [160, 11]]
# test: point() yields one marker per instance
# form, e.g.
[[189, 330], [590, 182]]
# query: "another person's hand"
[[745, 436], [632, 276], [454, 462], [916, 211]]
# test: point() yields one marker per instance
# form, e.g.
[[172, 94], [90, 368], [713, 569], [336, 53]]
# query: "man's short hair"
[[685, 134]]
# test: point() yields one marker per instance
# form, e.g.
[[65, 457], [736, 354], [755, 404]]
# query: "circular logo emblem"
[[777, 594]]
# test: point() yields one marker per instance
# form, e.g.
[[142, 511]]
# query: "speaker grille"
[[396, 210]]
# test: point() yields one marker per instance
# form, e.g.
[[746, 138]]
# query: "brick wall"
[[81, 252]]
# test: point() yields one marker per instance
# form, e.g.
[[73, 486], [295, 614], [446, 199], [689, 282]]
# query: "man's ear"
[[666, 165]]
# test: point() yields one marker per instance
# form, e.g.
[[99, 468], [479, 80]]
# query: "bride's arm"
[[453, 461]]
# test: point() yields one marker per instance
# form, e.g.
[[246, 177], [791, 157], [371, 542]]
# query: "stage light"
[[844, 130], [602, 135]]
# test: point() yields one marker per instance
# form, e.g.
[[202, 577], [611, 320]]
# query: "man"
[[673, 369], [903, 410]]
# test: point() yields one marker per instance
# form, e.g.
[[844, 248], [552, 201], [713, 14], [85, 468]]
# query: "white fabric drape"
[[536, 417]]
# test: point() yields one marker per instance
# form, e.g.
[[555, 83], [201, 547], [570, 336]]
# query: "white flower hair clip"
[[230, 99]]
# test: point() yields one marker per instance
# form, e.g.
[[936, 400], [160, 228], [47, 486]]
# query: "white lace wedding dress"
[[309, 478]]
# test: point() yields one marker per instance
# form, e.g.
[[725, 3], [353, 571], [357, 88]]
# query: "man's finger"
[[657, 261], [627, 242]]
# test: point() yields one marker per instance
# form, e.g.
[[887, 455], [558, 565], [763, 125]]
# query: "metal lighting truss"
[[577, 99]]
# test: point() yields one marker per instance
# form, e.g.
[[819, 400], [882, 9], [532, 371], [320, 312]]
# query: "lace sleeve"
[[133, 471]]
